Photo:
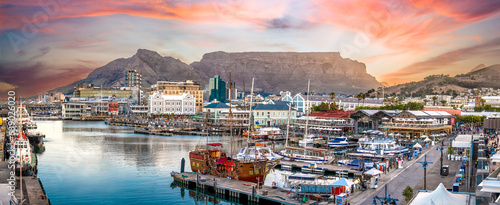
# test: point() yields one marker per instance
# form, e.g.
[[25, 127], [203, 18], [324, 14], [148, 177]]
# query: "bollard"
[[183, 163]]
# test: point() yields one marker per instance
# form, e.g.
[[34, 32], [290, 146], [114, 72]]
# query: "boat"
[[338, 142], [380, 146], [212, 160], [308, 155], [30, 129], [25, 159], [308, 141], [256, 151]]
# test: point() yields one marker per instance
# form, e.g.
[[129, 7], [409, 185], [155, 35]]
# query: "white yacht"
[[308, 141], [380, 146]]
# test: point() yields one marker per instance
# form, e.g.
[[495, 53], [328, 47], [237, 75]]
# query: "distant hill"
[[273, 71], [444, 84], [153, 66]]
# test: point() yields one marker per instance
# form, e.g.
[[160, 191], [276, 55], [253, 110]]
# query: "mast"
[[307, 120], [231, 113], [288, 124], [250, 123]]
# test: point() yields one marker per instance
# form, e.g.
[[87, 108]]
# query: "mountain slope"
[[288, 71], [443, 84], [153, 66]]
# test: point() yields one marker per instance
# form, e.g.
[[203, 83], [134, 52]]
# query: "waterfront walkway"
[[398, 179]]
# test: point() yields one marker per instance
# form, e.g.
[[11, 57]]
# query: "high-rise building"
[[176, 88], [217, 88], [133, 78]]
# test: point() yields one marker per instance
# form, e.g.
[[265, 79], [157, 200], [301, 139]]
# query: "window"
[[250, 171]]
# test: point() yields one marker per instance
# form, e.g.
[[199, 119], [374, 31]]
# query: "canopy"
[[215, 144], [423, 136], [343, 182], [222, 160], [373, 171], [439, 196], [417, 146], [427, 140]]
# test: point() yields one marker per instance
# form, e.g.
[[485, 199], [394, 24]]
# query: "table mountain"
[[273, 71], [288, 71]]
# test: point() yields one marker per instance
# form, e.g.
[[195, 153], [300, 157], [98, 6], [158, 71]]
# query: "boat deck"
[[328, 168]]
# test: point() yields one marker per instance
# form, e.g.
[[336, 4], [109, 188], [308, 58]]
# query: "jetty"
[[240, 192], [33, 191]]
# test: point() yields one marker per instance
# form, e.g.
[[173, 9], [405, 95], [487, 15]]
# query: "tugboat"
[[35, 137], [25, 159]]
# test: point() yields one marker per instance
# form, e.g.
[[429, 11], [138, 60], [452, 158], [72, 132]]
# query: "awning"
[[222, 160], [215, 144]]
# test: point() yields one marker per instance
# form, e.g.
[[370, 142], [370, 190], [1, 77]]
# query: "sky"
[[50, 43]]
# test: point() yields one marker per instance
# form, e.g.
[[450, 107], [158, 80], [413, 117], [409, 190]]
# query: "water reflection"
[[93, 163]]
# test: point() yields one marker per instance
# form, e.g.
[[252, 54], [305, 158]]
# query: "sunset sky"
[[50, 43]]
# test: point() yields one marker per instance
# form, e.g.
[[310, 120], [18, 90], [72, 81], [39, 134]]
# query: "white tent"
[[423, 136], [439, 196], [373, 171], [427, 140], [417, 146]]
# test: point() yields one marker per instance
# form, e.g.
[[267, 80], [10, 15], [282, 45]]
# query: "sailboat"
[[310, 155], [216, 162]]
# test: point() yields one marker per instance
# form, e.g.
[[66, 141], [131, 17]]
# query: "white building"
[[302, 102], [182, 104], [272, 114]]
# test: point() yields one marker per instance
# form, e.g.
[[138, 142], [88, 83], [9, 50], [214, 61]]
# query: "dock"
[[240, 192], [33, 191]]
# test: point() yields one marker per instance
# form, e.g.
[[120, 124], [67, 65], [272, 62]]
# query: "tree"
[[426, 101], [363, 96], [408, 193], [482, 101], [477, 91], [434, 98], [443, 102], [332, 95], [358, 96]]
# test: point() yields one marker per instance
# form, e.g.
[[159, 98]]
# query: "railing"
[[414, 125]]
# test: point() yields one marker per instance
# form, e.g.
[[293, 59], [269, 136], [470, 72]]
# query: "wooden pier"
[[240, 192], [33, 192]]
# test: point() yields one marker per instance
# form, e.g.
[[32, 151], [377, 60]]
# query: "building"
[[177, 88], [492, 123], [217, 88], [85, 106], [301, 102], [139, 109], [93, 92], [180, 104], [133, 78], [272, 115], [48, 97]]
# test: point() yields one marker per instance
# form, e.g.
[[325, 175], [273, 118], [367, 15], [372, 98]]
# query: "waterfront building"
[[85, 106], [271, 114], [133, 78], [139, 109], [181, 104], [332, 119], [301, 102], [492, 123], [98, 92], [215, 110], [217, 88], [177, 88], [406, 123]]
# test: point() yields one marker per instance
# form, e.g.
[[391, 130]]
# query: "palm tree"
[[359, 98], [426, 101], [363, 96], [477, 92], [332, 96], [443, 102], [434, 98], [482, 101]]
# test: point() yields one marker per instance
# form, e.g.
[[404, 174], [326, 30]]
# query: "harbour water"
[[93, 163]]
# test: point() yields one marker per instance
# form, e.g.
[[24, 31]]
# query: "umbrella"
[[417, 146], [423, 136], [385, 118], [343, 182], [427, 140], [373, 171]]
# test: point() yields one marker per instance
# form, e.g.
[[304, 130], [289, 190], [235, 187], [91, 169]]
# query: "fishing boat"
[[338, 142], [380, 146]]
